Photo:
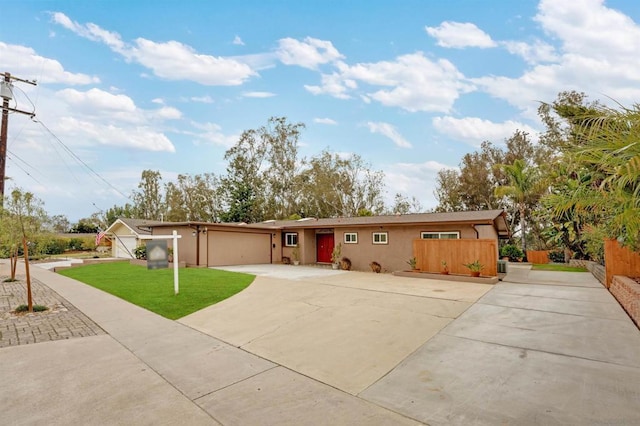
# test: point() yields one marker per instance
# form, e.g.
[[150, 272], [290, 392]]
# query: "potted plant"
[[445, 268], [413, 263], [335, 255], [474, 268], [295, 255]]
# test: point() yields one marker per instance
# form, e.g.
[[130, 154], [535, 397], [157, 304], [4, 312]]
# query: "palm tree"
[[612, 153], [523, 185]]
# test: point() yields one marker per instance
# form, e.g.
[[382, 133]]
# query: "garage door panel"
[[239, 248], [125, 247]]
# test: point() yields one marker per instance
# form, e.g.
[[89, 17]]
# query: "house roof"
[[137, 226], [497, 218], [483, 217]]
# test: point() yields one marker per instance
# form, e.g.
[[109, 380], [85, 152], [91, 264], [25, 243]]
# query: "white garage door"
[[124, 247]]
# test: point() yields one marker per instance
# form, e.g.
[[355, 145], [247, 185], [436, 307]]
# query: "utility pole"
[[6, 93]]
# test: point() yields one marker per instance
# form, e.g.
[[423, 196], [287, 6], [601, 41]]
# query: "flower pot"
[[296, 262], [475, 273], [335, 265], [445, 272]]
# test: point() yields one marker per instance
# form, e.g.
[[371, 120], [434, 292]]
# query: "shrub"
[[375, 267], [345, 264], [140, 252], [512, 252], [36, 308], [556, 256]]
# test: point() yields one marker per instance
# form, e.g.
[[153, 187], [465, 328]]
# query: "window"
[[452, 235], [380, 238], [351, 238], [291, 239]]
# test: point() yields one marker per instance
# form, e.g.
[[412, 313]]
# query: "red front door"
[[325, 247]]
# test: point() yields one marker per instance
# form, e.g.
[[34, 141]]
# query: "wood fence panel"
[[619, 261], [429, 255], [538, 256]]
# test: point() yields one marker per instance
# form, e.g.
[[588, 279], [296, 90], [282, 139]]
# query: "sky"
[[411, 86]]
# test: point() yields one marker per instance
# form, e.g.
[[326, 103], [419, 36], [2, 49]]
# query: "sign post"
[[174, 236]]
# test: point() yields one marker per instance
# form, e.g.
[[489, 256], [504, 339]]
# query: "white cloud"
[[460, 35], [175, 61], [415, 179], [238, 41], [596, 54], [535, 52], [258, 94], [474, 131], [202, 99], [26, 63], [211, 133], [96, 99], [158, 101], [170, 60], [411, 82], [138, 137], [389, 131], [332, 84], [168, 113], [308, 53], [325, 121]]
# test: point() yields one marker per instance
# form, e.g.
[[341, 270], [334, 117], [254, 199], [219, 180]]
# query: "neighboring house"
[[125, 235], [385, 239]]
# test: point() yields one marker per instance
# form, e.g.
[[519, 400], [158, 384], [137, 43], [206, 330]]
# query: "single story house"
[[385, 239], [125, 235]]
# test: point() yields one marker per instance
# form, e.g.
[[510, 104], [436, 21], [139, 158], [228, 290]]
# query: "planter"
[[296, 262], [444, 273], [335, 266], [475, 274]]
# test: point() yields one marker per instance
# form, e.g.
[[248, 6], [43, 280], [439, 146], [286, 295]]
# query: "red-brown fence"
[[431, 253], [538, 256], [620, 261]]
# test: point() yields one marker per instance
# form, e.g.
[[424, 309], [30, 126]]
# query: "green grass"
[[153, 289], [558, 268]]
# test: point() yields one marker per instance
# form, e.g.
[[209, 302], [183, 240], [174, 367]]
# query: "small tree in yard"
[[25, 218]]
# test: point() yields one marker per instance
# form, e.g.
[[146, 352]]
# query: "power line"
[[21, 168], [73, 155]]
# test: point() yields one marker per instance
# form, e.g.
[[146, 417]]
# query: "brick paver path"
[[61, 321]]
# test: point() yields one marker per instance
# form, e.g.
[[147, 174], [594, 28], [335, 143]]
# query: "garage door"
[[238, 248], [124, 247]]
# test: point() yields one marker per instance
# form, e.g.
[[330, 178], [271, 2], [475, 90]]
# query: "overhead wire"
[[79, 160]]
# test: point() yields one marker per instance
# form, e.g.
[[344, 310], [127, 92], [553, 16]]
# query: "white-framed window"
[[291, 239], [449, 235], [380, 238], [351, 238]]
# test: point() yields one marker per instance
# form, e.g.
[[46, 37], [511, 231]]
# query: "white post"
[[176, 284]]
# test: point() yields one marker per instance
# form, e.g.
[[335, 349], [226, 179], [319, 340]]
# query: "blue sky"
[[410, 85]]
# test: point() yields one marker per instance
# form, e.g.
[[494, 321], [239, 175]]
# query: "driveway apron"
[[542, 350]]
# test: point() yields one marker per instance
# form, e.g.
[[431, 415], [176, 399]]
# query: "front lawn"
[[558, 268], [153, 289]]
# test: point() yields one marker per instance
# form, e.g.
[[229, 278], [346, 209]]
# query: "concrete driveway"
[[345, 329]]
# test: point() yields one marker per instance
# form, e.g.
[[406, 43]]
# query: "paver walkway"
[[61, 321]]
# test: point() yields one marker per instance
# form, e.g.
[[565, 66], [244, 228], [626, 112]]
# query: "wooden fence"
[[538, 256], [430, 254], [620, 261]]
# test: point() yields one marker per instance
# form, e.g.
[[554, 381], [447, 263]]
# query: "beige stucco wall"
[[186, 243], [394, 255], [238, 248]]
